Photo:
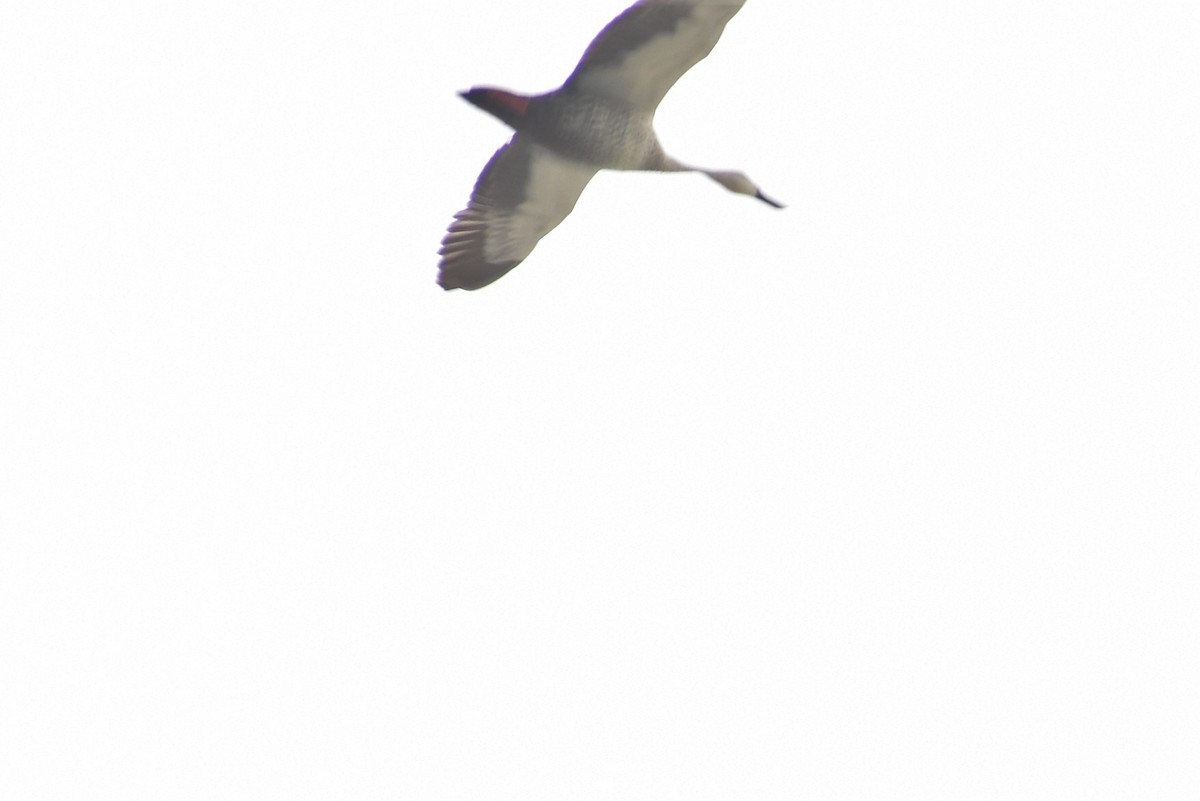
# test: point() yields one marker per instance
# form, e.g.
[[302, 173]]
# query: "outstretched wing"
[[640, 55], [521, 195]]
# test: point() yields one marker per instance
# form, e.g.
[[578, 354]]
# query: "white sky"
[[892, 494]]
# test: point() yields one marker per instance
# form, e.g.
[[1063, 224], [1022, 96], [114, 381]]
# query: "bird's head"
[[738, 182]]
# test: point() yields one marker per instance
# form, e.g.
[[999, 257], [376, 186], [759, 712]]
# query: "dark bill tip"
[[768, 201]]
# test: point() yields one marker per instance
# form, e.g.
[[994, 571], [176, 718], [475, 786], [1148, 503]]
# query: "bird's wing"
[[522, 193], [640, 55]]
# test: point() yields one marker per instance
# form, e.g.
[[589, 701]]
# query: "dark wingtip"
[[472, 275], [447, 281]]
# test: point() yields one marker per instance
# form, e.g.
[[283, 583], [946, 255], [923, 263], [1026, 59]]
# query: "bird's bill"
[[768, 200]]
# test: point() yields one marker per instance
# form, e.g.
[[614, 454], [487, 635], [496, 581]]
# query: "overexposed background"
[[891, 494]]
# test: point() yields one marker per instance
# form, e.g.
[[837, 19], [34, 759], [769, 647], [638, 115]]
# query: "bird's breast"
[[593, 131]]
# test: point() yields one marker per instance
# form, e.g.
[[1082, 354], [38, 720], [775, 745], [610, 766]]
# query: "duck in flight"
[[601, 118]]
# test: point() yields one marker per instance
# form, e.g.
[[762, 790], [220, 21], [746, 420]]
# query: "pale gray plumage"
[[601, 118]]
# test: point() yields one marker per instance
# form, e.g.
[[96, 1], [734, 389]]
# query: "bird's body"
[[591, 130], [601, 118]]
